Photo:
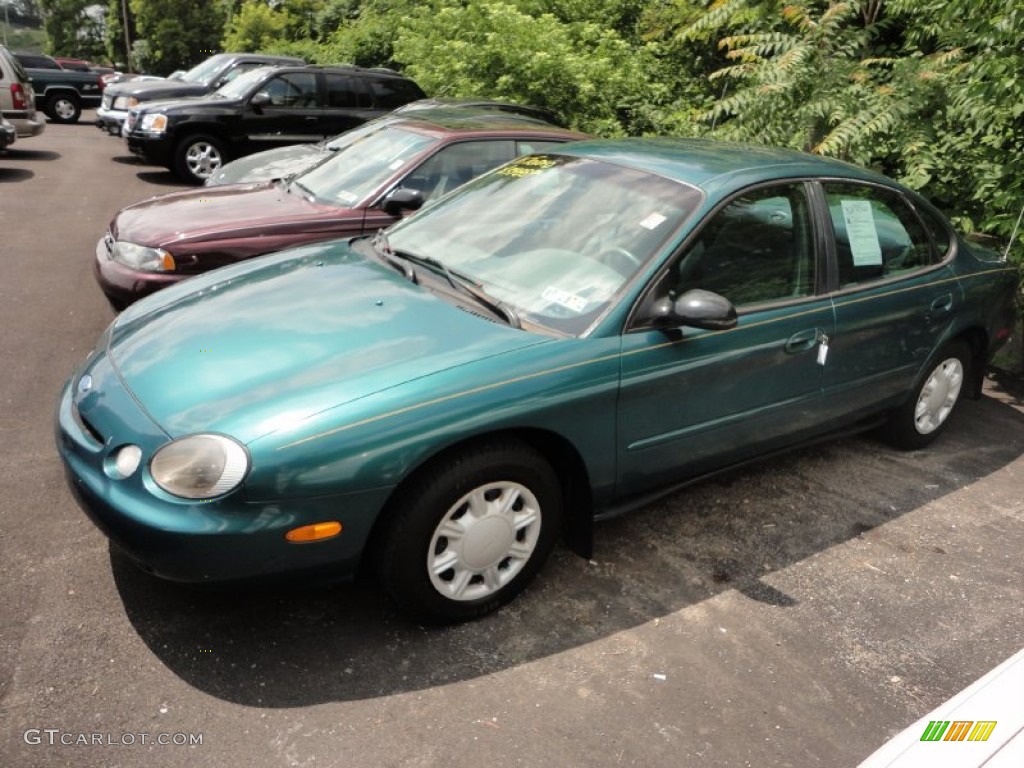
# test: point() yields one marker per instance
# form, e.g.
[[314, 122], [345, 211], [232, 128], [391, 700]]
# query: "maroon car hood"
[[233, 212]]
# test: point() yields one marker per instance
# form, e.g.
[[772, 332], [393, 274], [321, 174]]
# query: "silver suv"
[[17, 99]]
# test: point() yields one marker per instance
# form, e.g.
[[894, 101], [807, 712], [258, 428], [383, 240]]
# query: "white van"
[[17, 99]]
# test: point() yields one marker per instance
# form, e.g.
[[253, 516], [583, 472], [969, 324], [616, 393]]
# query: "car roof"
[[442, 121], [706, 163]]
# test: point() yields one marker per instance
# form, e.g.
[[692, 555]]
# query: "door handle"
[[312, 117], [803, 340], [941, 306]]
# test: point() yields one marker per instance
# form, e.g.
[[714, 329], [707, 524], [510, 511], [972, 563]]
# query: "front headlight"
[[142, 258], [125, 102], [200, 466], [155, 123]]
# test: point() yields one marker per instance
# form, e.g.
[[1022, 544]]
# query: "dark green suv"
[[262, 109]]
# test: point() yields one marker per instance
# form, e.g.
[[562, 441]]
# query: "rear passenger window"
[[877, 234], [531, 147], [391, 93], [343, 92]]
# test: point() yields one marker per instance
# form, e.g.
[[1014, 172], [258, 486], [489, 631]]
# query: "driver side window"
[[758, 249]]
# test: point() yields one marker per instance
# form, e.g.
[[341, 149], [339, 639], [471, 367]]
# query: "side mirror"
[[259, 101], [696, 308], [402, 199]]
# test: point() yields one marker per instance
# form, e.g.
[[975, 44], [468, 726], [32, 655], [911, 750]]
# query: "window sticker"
[[396, 164], [347, 197], [526, 166], [653, 221], [565, 299], [861, 233]]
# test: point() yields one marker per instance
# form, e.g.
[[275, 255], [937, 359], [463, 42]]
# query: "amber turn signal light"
[[315, 532]]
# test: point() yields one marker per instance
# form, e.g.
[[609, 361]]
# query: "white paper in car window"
[[652, 221], [861, 233], [564, 298]]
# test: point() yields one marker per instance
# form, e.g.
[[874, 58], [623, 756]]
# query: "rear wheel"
[[198, 157], [63, 108], [922, 418], [469, 533]]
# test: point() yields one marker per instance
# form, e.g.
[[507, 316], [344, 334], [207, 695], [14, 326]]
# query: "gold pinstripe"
[[605, 358]]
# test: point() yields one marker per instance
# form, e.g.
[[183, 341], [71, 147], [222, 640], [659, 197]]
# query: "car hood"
[[234, 212], [263, 345], [272, 164], [148, 90]]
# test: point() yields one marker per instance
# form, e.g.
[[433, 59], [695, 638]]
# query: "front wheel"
[[922, 418], [468, 534], [63, 108], [198, 157]]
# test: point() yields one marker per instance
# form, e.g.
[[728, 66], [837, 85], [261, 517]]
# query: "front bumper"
[[225, 539], [111, 120], [123, 285], [154, 150]]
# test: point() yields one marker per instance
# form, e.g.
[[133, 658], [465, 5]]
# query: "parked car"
[[60, 93], [8, 134], [17, 97], [262, 109], [204, 78], [557, 342], [288, 161], [392, 169]]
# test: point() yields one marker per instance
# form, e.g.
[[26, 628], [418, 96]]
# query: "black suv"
[[262, 109], [206, 77]]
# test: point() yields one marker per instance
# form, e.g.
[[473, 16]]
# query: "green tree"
[[255, 27], [71, 29], [178, 33]]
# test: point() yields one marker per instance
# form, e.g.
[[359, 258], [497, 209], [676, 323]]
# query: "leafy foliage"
[[177, 33]]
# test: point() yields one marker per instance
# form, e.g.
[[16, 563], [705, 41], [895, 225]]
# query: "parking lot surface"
[[795, 613]]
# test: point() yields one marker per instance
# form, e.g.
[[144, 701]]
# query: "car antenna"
[[1013, 234]]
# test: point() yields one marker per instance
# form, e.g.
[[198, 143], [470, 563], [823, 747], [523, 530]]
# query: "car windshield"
[[355, 171], [554, 237], [204, 72], [242, 84]]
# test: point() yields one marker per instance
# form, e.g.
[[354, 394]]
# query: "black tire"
[[63, 108], [198, 156], [492, 559], [938, 392]]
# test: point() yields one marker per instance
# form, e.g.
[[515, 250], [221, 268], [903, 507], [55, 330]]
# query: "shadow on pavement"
[[126, 159], [14, 174], [289, 647], [38, 155], [163, 178]]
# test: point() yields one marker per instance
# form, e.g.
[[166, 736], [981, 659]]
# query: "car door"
[[348, 103], [894, 300], [290, 112], [693, 400]]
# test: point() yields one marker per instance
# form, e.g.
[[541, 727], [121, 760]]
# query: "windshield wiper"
[[466, 284], [458, 280], [309, 192], [383, 250]]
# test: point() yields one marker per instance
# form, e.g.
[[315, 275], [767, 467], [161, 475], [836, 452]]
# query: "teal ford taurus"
[[558, 342]]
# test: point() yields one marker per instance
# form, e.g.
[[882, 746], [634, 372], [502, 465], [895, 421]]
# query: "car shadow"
[[36, 155], [14, 174], [163, 178], [298, 646], [126, 159]]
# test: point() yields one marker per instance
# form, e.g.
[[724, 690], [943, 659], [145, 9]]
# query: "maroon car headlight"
[[199, 466], [142, 258]]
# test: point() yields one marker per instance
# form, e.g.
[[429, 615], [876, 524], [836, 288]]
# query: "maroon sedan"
[[366, 186]]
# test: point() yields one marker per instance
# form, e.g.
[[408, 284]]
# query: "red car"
[[363, 187]]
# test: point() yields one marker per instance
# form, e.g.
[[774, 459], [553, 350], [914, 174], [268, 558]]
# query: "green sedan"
[[560, 341]]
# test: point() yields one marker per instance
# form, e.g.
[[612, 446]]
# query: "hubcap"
[[64, 109], [938, 396], [484, 540], [202, 159]]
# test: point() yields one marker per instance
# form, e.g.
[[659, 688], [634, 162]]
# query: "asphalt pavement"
[[796, 613]]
